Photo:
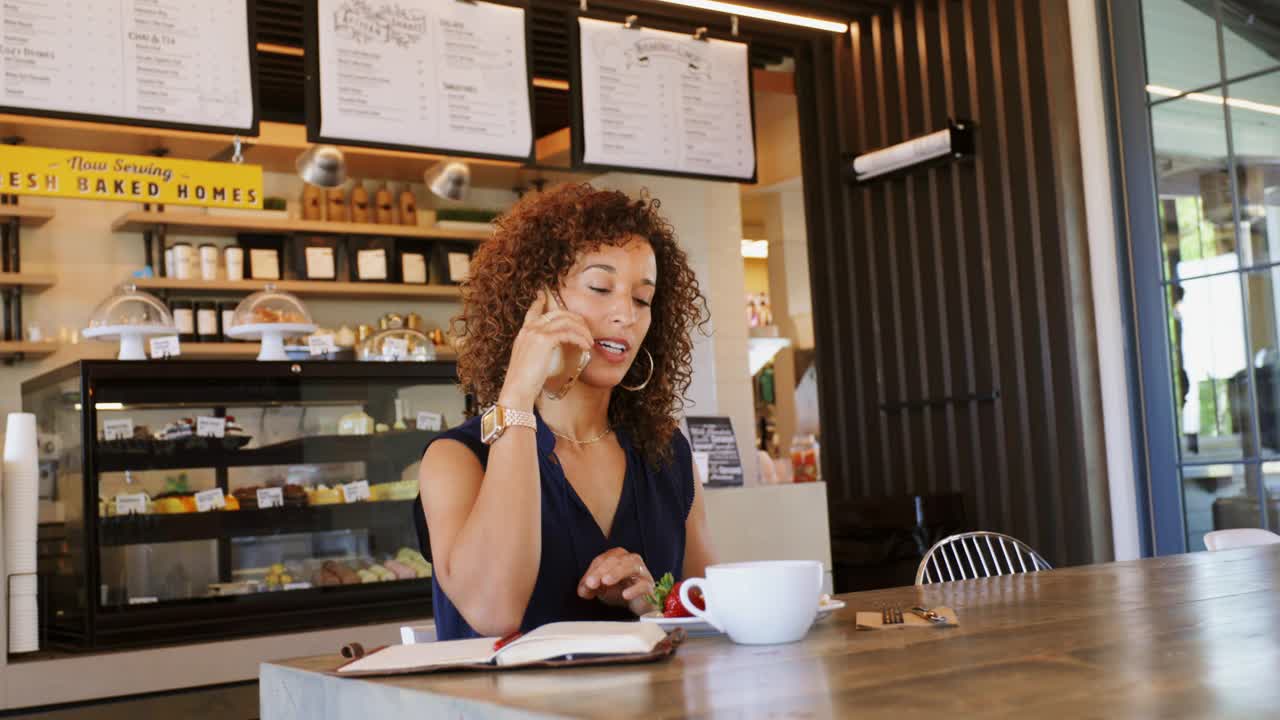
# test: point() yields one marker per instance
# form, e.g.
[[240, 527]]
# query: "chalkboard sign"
[[714, 436]]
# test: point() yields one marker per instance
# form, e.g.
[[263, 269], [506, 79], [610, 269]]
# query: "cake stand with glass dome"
[[270, 316], [130, 316], [396, 343]]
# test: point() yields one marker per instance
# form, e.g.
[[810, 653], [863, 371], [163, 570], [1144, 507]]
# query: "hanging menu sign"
[[714, 437], [171, 63], [655, 100], [422, 75]]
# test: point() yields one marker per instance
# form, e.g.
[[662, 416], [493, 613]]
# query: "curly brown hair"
[[535, 245]]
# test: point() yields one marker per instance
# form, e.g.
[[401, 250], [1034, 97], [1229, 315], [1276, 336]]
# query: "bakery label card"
[[270, 497], [207, 500], [165, 346], [356, 491], [117, 429], [321, 345], [134, 504], [430, 421], [214, 427]]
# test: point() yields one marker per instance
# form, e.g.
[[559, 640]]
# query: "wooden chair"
[[977, 555], [1239, 538]]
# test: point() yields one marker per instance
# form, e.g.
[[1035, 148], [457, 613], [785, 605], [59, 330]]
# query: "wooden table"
[[1188, 636]]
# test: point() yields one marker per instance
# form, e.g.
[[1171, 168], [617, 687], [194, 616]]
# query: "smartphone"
[[567, 361]]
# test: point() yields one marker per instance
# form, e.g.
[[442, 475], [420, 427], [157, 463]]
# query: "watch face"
[[489, 424]]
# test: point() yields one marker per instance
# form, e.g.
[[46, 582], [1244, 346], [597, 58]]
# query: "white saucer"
[[697, 627]]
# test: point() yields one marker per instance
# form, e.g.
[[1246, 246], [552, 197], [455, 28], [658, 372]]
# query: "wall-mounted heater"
[[954, 143]]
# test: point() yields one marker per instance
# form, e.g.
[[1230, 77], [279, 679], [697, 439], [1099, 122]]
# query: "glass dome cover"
[[130, 307], [271, 306], [397, 344]]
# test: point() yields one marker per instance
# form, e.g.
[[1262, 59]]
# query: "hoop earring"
[[643, 385]]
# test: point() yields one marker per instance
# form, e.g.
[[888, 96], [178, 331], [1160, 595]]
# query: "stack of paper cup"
[[24, 616], [21, 497]]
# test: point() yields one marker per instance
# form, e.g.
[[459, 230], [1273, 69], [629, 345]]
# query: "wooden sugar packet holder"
[[355, 651]]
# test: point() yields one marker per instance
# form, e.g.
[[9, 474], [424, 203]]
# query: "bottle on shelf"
[[804, 458], [408, 207], [184, 319], [183, 261], [312, 203], [384, 209], [226, 311], [207, 321], [336, 205], [359, 203]]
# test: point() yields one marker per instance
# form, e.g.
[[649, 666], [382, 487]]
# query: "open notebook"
[[555, 644]]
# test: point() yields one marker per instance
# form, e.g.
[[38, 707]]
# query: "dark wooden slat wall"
[[955, 280]]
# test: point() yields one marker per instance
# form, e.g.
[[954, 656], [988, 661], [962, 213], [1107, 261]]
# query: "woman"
[[566, 509]]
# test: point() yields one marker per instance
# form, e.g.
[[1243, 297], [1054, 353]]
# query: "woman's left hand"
[[619, 578]]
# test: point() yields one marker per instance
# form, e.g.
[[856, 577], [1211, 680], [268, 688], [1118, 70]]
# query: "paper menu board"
[[657, 100], [423, 74], [165, 62]]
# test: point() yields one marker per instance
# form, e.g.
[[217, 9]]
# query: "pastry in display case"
[[270, 315], [215, 498]]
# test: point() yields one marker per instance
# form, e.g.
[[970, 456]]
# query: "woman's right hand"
[[544, 330]]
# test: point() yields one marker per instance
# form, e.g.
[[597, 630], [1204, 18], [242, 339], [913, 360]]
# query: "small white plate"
[[697, 627]]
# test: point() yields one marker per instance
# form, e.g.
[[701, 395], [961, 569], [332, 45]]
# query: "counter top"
[[1182, 636]]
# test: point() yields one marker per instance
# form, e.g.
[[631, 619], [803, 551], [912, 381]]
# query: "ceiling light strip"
[[762, 14]]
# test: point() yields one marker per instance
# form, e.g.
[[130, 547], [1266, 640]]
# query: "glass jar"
[[804, 458]]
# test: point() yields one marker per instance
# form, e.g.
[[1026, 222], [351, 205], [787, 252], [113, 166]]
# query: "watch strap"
[[513, 418]]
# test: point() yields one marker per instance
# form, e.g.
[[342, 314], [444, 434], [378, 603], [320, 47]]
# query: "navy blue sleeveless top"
[[649, 521]]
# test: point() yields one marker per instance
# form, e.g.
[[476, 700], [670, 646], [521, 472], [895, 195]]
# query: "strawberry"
[[666, 597]]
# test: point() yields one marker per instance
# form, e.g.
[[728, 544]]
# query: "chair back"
[[977, 555], [1239, 538]]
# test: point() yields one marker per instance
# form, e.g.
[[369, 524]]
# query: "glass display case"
[[209, 498]]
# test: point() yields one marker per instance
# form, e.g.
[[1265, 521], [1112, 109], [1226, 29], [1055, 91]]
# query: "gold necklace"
[[578, 442]]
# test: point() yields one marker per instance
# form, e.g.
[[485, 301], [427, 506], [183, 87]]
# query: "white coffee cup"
[[759, 603]]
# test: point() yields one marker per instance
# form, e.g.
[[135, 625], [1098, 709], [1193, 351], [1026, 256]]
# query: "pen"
[[506, 640]]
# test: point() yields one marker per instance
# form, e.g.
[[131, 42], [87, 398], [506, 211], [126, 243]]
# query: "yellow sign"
[[134, 178]]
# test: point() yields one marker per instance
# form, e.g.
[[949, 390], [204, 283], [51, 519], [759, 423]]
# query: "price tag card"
[[320, 264], [430, 421], [321, 345], [297, 586], [395, 348], [165, 346], [371, 264], [413, 268], [459, 266], [356, 491], [270, 497], [117, 429], [207, 500], [214, 427], [135, 504]]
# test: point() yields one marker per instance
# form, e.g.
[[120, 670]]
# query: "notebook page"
[[582, 638], [426, 655]]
